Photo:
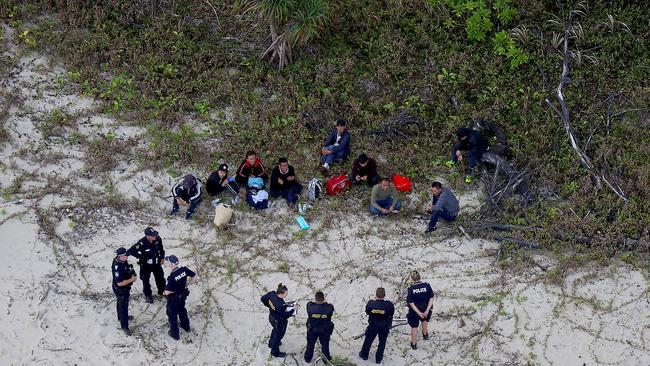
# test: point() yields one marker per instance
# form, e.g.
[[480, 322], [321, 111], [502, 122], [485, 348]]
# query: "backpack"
[[314, 189], [338, 184], [402, 183]]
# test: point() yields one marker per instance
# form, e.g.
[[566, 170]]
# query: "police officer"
[[319, 326], [419, 298], [123, 277], [380, 318], [279, 312], [176, 291], [151, 255]]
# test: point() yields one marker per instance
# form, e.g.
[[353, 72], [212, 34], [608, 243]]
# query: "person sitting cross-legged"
[[364, 170], [384, 198], [444, 205]]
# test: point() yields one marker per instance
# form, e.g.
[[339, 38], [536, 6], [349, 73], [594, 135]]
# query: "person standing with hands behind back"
[[419, 298], [279, 313], [380, 319]]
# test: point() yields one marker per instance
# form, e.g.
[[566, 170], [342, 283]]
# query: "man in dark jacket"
[[123, 278], [380, 319], [471, 141], [284, 182], [444, 205], [279, 312], [364, 169], [319, 326], [336, 146], [187, 191], [251, 167], [219, 181], [151, 255]]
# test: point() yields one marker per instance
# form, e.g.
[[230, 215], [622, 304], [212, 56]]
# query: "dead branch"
[[565, 117]]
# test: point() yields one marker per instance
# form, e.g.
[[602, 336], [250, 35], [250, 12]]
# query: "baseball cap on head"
[[150, 231], [120, 251], [172, 259], [224, 167]]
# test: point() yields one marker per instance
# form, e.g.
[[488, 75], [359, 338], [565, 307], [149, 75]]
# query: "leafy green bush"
[[504, 45]]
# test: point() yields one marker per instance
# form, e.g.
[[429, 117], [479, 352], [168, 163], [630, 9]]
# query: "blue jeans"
[[435, 215], [291, 193], [332, 158], [190, 210], [384, 204], [472, 159]]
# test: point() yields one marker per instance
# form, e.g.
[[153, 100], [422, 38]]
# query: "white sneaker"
[[215, 202]]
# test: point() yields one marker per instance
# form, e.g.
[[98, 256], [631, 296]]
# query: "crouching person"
[[444, 205], [384, 198], [187, 191], [219, 182], [256, 196]]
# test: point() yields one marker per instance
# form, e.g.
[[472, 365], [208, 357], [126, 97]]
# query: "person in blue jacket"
[[279, 313], [336, 146]]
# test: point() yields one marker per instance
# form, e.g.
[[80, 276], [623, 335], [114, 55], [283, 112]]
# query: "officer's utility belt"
[[149, 262]]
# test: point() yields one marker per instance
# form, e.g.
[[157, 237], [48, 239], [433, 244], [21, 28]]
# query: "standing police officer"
[[151, 255], [319, 326], [123, 277], [380, 318], [419, 298], [176, 292], [279, 312]]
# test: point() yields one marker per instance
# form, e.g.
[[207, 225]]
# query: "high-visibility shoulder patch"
[[319, 316], [377, 311], [271, 305]]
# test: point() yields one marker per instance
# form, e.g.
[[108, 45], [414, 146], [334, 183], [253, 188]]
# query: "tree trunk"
[[280, 48]]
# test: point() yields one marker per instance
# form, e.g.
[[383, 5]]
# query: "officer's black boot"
[[169, 332], [279, 354], [126, 331]]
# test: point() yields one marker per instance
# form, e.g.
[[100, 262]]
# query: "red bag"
[[402, 184], [338, 184]]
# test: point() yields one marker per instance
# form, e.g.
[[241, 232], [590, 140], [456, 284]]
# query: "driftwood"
[[405, 126], [563, 113]]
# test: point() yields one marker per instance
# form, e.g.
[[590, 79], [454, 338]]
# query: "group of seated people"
[[251, 179]]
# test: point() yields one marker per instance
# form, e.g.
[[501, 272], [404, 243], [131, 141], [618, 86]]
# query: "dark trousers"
[[444, 214], [122, 294], [145, 272], [176, 311], [279, 328], [472, 159], [371, 180], [371, 333], [291, 193], [260, 205], [190, 209], [323, 336]]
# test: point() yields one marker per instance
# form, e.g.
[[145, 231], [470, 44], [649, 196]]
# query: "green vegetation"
[[443, 61]]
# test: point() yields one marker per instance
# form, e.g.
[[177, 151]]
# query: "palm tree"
[[290, 22]]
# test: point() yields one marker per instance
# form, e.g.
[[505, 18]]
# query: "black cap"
[[340, 122], [223, 167], [121, 251], [150, 232], [172, 259]]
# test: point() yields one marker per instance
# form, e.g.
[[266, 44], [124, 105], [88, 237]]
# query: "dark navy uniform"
[[122, 271], [278, 316], [177, 283], [149, 257], [319, 326], [418, 294], [380, 318]]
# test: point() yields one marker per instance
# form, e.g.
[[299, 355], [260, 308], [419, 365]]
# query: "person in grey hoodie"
[[443, 206]]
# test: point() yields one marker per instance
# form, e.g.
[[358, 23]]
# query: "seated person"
[[284, 182], [336, 146], [187, 191], [251, 167], [257, 197], [384, 198], [218, 182], [443, 206], [364, 169], [471, 141]]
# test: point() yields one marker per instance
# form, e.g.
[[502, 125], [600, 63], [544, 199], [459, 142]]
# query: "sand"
[[58, 243]]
